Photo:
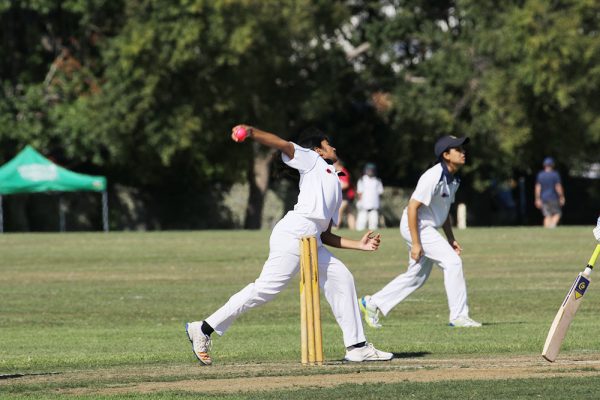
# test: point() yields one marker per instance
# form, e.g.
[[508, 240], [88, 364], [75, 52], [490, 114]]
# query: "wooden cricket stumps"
[[310, 303]]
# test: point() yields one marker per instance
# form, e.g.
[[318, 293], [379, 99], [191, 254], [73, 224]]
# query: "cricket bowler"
[[313, 215]]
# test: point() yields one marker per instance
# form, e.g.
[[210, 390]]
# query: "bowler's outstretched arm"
[[266, 139]]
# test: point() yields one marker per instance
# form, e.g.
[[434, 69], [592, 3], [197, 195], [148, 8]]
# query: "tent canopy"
[[31, 172]]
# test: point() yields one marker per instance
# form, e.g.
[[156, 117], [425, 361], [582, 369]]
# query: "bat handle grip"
[[594, 256]]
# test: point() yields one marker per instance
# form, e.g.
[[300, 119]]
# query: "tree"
[[146, 91], [519, 78], [153, 93], [179, 77], [49, 62]]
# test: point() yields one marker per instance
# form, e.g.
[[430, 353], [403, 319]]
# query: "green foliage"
[[148, 90], [178, 77], [539, 87], [517, 77], [50, 64]]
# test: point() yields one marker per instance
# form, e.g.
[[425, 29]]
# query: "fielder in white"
[[317, 208], [596, 230], [427, 210], [369, 189]]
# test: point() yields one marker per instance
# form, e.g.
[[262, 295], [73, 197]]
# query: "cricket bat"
[[567, 310]]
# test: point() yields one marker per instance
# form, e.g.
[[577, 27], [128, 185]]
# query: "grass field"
[[86, 315]]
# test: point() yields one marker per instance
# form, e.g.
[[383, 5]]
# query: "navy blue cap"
[[548, 161], [447, 142]]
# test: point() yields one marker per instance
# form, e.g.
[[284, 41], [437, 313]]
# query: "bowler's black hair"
[[311, 138]]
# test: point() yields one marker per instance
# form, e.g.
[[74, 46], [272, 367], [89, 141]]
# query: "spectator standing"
[[369, 188], [348, 194], [549, 194]]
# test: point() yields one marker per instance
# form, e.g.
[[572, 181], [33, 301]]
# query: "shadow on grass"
[[13, 376], [503, 323], [411, 354]]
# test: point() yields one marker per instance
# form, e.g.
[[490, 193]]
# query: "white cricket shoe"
[[367, 353], [201, 343], [370, 312], [464, 322]]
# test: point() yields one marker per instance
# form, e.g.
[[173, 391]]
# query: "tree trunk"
[[258, 180]]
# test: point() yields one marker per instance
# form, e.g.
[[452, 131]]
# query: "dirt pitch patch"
[[267, 377]]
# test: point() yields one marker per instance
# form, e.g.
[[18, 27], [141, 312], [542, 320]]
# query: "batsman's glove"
[[596, 231]]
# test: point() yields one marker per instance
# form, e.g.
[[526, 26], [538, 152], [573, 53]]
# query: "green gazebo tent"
[[30, 172]]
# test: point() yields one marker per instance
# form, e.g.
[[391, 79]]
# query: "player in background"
[[428, 209], [549, 194], [348, 194], [369, 189], [596, 230], [313, 215]]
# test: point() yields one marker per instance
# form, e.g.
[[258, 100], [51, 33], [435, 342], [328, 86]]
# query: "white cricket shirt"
[[435, 190], [320, 189], [369, 188]]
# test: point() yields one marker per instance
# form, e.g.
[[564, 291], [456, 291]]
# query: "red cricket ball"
[[241, 134]]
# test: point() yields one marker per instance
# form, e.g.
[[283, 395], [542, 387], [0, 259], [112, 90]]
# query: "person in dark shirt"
[[549, 194]]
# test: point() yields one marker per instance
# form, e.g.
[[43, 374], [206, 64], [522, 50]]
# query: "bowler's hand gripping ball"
[[241, 133]]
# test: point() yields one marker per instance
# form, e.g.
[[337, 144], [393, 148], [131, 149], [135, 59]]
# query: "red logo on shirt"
[[328, 171]]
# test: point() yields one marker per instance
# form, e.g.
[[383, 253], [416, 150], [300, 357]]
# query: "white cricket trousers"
[[367, 216], [436, 249], [281, 266]]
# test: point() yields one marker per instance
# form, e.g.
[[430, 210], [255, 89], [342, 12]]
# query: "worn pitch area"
[[232, 378]]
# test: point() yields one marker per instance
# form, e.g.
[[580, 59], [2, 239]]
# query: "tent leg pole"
[[1, 216], [61, 213], [105, 211]]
